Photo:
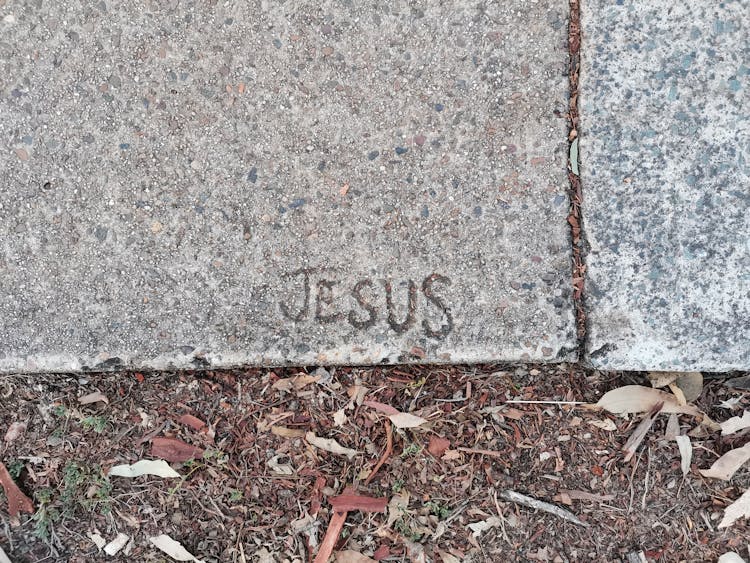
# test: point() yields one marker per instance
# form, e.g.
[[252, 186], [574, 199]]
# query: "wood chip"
[[17, 501], [350, 502]]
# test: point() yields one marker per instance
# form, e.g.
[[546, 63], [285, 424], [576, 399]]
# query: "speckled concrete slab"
[[665, 113], [227, 183]]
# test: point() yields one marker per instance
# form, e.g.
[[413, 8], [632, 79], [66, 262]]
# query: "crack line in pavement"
[[578, 239]]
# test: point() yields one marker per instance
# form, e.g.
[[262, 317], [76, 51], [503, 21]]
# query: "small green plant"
[[60, 411], [235, 496], [402, 527], [411, 450], [398, 484], [438, 509], [84, 488], [95, 423], [45, 516], [15, 467]]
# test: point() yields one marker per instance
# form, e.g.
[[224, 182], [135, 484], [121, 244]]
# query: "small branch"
[[531, 502], [331, 537], [386, 453]]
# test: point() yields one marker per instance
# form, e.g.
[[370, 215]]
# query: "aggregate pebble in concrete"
[[665, 145], [226, 183]]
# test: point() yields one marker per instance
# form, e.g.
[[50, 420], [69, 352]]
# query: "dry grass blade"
[[640, 432], [518, 498]]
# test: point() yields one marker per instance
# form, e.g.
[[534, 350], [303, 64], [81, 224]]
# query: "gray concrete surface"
[[223, 183], [665, 145]]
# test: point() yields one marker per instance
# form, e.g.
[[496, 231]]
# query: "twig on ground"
[[518, 498], [332, 535], [522, 402], [645, 484], [386, 453]]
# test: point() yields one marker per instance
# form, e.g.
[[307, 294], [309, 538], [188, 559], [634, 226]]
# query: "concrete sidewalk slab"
[[234, 183], [665, 145]]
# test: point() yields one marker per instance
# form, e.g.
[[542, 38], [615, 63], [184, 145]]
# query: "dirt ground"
[[257, 482]]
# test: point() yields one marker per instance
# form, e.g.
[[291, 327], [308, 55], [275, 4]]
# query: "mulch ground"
[[253, 487]]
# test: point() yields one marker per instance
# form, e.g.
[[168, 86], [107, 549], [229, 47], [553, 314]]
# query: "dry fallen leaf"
[[298, 382], [382, 407], [478, 527], [724, 467], [157, 467], [730, 557], [94, 397], [691, 384], [173, 548], [174, 450], [662, 378], [606, 424], [438, 446], [280, 468], [339, 417], [397, 506], [285, 432], [3, 557], [406, 420], [731, 404], [686, 453], [351, 556], [99, 541], [113, 547], [640, 432], [738, 509], [734, 424], [329, 445], [637, 399], [14, 431], [192, 421], [675, 389], [673, 427], [17, 501]]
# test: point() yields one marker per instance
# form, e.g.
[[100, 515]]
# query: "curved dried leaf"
[[662, 378], [94, 397], [157, 467], [736, 510], [637, 398], [735, 424], [173, 548], [730, 557], [329, 445], [686, 453], [406, 420], [724, 467]]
